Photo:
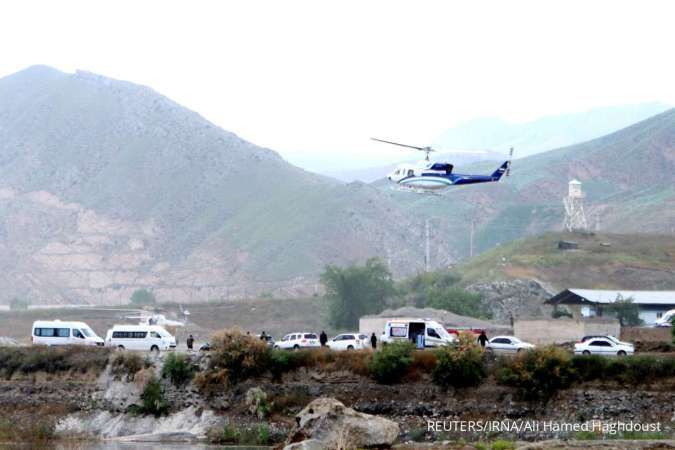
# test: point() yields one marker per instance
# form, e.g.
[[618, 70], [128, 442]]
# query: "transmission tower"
[[575, 219]]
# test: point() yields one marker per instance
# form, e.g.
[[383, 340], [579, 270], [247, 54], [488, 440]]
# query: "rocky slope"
[[107, 187]]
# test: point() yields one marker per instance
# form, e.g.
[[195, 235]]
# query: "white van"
[[433, 333], [57, 332], [140, 337]]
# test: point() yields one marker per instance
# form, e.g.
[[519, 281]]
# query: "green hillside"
[[603, 261]]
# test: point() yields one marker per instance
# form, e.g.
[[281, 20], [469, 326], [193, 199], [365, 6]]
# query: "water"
[[113, 445]]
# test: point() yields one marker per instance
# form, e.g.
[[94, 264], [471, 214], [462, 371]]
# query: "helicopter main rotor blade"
[[424, 149]]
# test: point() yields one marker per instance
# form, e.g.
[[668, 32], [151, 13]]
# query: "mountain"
[[545, 133], [107, 187], [628, 178]]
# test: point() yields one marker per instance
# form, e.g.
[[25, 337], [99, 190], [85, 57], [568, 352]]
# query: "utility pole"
[[473, 225], [426, 247]]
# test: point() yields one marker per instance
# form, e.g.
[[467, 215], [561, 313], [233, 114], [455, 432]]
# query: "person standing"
[[373, 341], [482, 338], [323, 338], [190, 342]]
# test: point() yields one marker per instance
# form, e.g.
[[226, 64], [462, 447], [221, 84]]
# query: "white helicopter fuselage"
[[420, 176]]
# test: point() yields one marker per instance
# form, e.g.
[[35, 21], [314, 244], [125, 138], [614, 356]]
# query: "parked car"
[[666, 320], [268, 339], [349, 341], [57, 332], [298, 340], [432, 332], [611, 338], [507, 345], [603, 345], [140, 337]]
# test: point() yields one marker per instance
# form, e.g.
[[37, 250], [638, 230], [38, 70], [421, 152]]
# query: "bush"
[[458, 301], [230, 434], [538, 373], [391, 363], [589, 367], [152, 399], [18, 304], [178, 369], [234, 357], [127, 364], [34, 359], [627, 312], [142, 297], [461, 365]]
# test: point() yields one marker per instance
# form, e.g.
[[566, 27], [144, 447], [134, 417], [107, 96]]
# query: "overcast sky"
[[315, 79]]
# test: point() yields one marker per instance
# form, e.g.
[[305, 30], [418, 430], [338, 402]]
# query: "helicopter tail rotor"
[[508, 167]]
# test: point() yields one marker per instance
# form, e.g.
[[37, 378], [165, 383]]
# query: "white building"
[[589, 302]]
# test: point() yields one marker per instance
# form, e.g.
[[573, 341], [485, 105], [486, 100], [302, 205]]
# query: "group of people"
[[323, 339]]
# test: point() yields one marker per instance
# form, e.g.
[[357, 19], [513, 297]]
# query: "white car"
[[298, 340], [348, 341], [507, 345], [140, 337], [57, 332], [604, 345]]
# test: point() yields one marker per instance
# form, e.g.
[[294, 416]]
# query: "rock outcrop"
[[508, 300], [334, 425]]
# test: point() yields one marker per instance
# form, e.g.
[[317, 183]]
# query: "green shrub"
[[461, 365], [230, 434], [589, 367], [538, 374], [178, 369], [142, 297], [152, 399], [639, 369], [502, 445], [390, 363], [234, 357]]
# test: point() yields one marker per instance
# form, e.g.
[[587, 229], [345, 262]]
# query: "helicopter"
[[429, 177]]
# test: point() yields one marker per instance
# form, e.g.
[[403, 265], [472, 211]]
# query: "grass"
[[538, 257], [52, 360]]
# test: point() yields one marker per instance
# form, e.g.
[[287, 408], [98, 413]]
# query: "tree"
[[356, 290], [457, 300], [625, 310], [142, 297], [18, 304]]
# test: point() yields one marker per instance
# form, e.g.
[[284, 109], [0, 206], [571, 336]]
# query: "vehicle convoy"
[[140, 337], [57, 332], [666, 320], [603, 345], [430, 332], [298, 340], [349, 341], [507, 345]]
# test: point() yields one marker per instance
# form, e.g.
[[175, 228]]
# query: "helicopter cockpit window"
[[411, 173]]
